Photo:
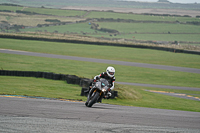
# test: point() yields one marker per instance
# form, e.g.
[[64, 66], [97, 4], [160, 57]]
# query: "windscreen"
[[104, 82]]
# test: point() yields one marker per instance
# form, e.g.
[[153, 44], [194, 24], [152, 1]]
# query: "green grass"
[[89, 70], [168, 37], [155, 37], [138, 17], [128, 95], [109, 52], [150, 27], [154, 100], [57, 12], [39, 87], [11, 8]]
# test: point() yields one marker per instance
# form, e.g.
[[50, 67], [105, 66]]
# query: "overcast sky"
[[173, 1]]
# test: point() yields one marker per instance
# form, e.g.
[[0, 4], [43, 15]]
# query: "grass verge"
[[90, 69], [39, 87]]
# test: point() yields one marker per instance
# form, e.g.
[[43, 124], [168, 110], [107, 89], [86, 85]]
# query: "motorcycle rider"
[[108, 75]]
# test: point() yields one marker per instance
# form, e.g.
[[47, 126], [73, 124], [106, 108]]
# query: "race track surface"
[[42, 115]]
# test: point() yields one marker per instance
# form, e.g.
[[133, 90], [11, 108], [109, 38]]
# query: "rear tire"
[[93, 100]]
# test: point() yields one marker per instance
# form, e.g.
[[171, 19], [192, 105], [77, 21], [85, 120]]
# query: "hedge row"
[[70, 79]]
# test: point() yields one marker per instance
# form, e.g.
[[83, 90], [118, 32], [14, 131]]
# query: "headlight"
[[103, 90]]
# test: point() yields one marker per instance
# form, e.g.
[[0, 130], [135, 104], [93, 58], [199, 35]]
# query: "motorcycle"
[[98, 91]]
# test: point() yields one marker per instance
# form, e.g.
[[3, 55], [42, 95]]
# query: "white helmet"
[[110, 71]]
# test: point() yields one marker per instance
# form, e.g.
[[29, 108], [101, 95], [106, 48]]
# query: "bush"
[[26, 12], [5, 11], [53, 20], [108, 30]]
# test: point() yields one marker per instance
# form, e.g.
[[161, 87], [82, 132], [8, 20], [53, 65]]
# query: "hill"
[[103, 3]]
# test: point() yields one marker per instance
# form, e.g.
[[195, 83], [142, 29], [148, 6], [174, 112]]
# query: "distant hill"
[[164, 1], [161, 4]]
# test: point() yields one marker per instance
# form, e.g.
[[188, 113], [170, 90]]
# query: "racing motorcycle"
[[98, 91]]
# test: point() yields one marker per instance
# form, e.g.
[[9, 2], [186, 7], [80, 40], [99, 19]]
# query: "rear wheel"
[[93, 99]]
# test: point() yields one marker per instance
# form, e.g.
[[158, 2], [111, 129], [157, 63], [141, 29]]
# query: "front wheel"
[[93, 99]]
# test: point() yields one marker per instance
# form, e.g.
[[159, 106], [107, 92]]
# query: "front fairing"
[[102, 84]]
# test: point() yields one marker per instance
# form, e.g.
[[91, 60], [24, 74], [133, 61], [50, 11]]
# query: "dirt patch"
[[181, 12]]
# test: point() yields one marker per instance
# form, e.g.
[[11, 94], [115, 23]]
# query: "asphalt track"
[[172, 68], [54, 116]]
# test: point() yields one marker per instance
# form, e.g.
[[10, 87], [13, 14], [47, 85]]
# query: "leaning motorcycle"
[[98, 91]]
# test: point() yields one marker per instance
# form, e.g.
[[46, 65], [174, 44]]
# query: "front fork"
[[101, 96]]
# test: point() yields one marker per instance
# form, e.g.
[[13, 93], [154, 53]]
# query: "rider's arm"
[[113, 85], [98, 76]]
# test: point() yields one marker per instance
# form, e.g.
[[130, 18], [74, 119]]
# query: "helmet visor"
[[111, 73]]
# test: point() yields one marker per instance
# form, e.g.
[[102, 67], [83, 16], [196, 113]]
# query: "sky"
[[173, 1]]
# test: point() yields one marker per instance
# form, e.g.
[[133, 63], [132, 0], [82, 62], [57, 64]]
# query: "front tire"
[[93, 100]]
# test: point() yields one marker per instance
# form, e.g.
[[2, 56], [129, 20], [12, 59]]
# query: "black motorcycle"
[[97, 92]]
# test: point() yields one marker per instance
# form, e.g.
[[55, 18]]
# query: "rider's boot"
[[109, 94], [99, 100]]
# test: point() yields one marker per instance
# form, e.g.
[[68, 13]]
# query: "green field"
[[186, 38], [11, 8], [138, 17], [39, 87], [56, 12], [148, 27], [111, 53]]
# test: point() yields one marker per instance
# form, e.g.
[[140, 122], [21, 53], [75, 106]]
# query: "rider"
[[109, 75]]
